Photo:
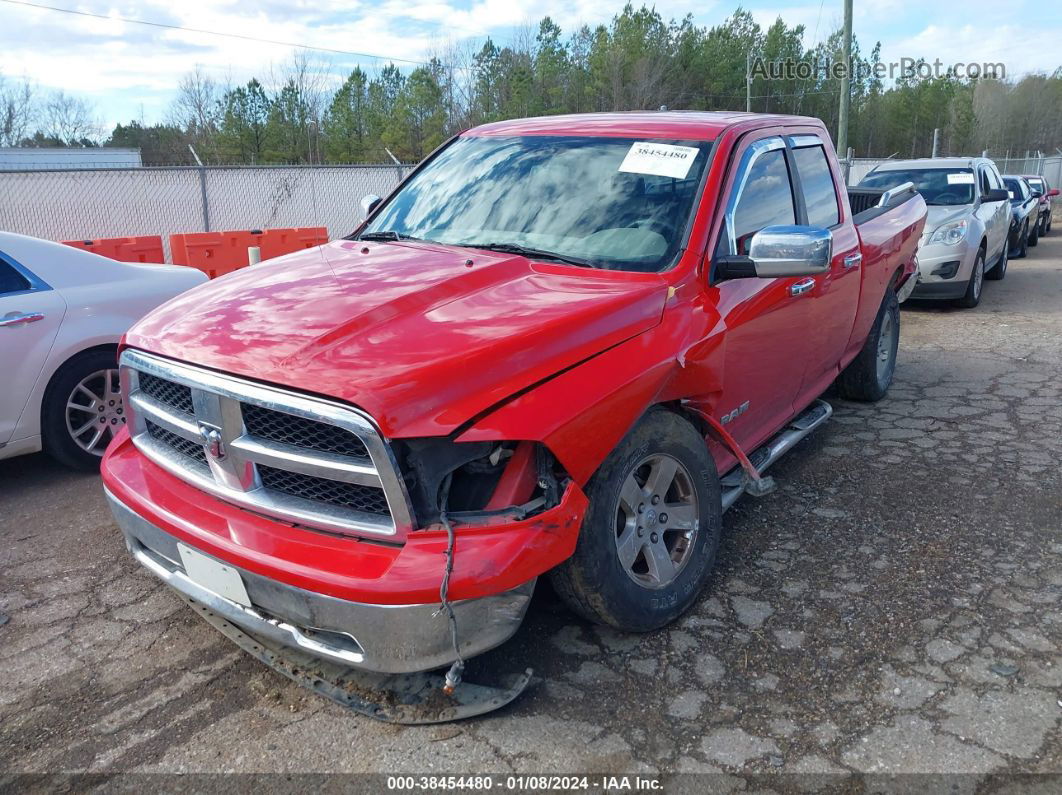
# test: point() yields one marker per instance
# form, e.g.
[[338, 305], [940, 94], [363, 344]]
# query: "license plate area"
[[213, 575]]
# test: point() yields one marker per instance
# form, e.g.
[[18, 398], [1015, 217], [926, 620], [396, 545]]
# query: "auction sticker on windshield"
[[659, 160], [961, 178]]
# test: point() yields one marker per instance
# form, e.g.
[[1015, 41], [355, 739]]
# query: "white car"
[[62, 313]]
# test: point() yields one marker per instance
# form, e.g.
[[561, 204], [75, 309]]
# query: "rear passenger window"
[[11, 281], [766, 198], [816, 182]]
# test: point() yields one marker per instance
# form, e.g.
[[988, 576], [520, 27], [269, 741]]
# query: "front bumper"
[[936, 262], [374, 637]]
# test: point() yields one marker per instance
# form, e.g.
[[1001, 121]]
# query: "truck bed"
[[888, 237], [867, 203]]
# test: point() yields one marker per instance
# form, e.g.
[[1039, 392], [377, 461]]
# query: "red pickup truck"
[[562, 346]]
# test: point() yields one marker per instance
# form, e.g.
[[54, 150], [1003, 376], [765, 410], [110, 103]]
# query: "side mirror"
[[368, 204], [1053, 192], [777, 251], [790, 251], [996, 195]]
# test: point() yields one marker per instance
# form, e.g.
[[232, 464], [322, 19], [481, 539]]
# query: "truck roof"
[[685, 125]]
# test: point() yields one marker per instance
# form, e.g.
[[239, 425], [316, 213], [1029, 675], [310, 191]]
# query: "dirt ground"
[[894, 607]]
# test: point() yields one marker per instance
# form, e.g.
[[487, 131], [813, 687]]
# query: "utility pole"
[[842, 115], [936, 141]]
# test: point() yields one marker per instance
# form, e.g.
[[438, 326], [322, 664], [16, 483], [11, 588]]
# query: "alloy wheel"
[[94, 411], [886, 345], [656, 521]]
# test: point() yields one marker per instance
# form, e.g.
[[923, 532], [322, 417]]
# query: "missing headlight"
[[485, 478]]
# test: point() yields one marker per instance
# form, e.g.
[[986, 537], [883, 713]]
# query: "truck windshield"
[[942, 186], [615, 203]]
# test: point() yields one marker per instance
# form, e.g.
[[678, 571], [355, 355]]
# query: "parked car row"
[[978, 220]]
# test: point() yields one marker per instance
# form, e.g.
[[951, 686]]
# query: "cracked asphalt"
[[893, 607]]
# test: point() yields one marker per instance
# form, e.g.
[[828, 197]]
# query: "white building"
[[28, 158]]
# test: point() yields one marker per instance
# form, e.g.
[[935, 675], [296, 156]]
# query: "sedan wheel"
[[94, 411], [82, 409]]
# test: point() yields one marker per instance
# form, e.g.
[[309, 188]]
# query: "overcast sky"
[[128, 71]]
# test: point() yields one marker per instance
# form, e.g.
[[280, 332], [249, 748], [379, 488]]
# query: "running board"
[[733, 483]]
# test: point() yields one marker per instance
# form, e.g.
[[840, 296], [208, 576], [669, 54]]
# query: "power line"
[[211, 32]]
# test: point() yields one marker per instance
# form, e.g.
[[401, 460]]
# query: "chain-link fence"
[[88, 204]]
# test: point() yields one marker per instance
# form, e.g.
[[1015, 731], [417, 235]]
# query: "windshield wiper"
[[389, 234], [533, 253]]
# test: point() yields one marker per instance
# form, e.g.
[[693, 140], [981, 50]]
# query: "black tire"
[[594, 582], [59, 441], [999, 270], [1023, 242], [1034, 233], [972, 297], [1047, 224], [863, 379]]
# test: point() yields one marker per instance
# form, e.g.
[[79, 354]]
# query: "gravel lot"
[[894, 607]]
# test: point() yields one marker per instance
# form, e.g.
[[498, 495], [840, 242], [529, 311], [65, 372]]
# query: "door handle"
[[20, 320], [853, 260], [801, 287]]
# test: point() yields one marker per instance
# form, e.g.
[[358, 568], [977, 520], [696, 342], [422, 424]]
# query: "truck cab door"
[[764, 323], [834, 299]]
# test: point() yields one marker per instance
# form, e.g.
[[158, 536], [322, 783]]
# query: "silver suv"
[[965, 238]]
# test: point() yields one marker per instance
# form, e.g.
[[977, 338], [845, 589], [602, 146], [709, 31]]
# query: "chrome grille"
[[176, 396], [301, 432], [352, 495], [193, 450], [301, 459]]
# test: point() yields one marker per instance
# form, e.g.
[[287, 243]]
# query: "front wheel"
[[999, 270], [82, 409], [972, 296], [649, 538], [1034, 232], [1022, 247], [869, 375]]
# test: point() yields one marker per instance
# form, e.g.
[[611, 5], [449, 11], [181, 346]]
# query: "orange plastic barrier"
[[214, 253], [146, 248], [218, 253], [284, 241]]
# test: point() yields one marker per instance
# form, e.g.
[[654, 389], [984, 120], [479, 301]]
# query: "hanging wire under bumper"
[[416, 698]]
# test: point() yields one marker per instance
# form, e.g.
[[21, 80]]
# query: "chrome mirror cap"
[[368, 204], [791, 251]]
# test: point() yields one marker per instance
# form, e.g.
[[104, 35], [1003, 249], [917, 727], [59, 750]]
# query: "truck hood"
[[422, 337]]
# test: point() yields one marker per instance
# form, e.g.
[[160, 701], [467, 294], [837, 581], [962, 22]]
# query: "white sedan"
[[62, 313]]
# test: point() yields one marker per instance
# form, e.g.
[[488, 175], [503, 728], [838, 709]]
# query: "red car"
[[563, 346]]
